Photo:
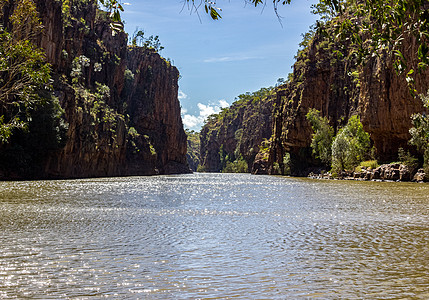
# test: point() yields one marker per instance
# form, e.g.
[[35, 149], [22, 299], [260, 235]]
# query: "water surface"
[[205, 236]]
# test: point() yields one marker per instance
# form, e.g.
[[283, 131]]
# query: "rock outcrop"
[[339, 87], [237, 132], [120, 103], [386, 172]]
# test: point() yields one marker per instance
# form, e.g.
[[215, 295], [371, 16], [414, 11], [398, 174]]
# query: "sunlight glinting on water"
[[213, 236]]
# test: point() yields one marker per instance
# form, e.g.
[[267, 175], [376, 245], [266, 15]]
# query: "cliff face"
[[120, 103], [154, 109], [386, 104], [237, 132], [340, 88], [327, 77]]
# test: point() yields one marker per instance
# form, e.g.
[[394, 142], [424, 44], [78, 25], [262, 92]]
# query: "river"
[[214, 236]]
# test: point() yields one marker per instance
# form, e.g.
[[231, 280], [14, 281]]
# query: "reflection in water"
[[213, 235]]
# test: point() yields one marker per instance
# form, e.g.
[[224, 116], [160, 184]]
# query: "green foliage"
[[193, 150], [215, 12], [128, 83], [114, 7], [407, 159], [95, 103], [322, 137], [237, 166], [420, 132], [78, 68], [152, 149], [133, 132], [151, 42], [286, 164], [350, 146], [23, 70], [65, 9], [280, 81], [46, 133], [372, 164], [264, 148], [201, 169]]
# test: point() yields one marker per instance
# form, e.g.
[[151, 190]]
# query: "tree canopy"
[[385, 23], [23, 70]]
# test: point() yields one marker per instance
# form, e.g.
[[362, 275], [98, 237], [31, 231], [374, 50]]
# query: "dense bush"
[[346, 150], [420, 132], [322, 137], [350, 146]]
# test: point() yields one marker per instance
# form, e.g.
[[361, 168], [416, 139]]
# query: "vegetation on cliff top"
[[230, 139], [24, 73], [193, 154]]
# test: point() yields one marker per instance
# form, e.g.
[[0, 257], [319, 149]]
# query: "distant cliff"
[[232, 138], [119, 104], [193, 156]]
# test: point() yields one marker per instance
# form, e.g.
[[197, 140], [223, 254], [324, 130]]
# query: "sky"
[[249, 48]]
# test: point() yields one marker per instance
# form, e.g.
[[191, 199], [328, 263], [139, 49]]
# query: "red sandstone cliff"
[[340, 88], [121, 110]]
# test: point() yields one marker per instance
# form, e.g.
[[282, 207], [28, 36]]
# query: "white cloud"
[[223, 103], [191, 122], [207, 110], [195, 122], [182, 96]]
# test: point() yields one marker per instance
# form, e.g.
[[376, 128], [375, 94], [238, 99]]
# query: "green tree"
[[237, 166], [383, 24], [420, 132], [322, 137], [114, 7], [24, 72], [350, 146], [151, 42]]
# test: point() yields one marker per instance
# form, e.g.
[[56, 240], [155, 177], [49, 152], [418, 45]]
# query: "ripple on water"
[[213, 236]]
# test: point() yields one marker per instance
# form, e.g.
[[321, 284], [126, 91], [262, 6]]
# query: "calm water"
[[207, 236]]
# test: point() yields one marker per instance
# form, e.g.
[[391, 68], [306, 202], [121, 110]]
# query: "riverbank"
[[387, 172]]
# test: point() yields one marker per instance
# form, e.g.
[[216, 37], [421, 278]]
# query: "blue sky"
[[218, 60]]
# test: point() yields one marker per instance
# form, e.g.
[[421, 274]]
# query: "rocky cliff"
[[237, 132], [121, 114], [329, 77], [339, 87]]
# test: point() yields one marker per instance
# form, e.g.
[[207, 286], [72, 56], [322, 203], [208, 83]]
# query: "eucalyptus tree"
[[24, 73], [369, 24], [322, 137]]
